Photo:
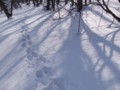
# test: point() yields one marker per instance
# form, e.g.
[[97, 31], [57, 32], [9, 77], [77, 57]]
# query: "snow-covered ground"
[[38, 51]]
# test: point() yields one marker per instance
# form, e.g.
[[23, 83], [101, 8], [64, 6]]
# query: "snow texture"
[[38, 51]]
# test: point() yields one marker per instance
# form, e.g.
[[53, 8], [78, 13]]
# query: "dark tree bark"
[[119, 1], [41, 1], [35, 2], [66, 1], [85, 2], [57, 2], [53, 4], [79, 5], [48, 5], [72, 1], [4, 8]]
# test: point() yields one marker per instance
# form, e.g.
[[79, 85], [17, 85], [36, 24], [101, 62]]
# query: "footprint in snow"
[[27, 44], [31, 54], [26, 40], [45, 71], [44, 75], [42, 78], [48, 71]]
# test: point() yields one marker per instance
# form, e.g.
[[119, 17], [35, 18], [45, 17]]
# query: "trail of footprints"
[[45, 76]]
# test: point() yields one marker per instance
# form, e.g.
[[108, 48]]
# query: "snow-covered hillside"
[[38, 51]]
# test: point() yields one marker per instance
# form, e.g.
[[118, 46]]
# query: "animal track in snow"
[[44, 75]]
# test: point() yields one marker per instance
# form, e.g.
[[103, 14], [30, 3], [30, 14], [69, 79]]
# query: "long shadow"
[[100, 14], [77, 65], [2, 38], [12, 24], [7, 72], [49, 31], [113, 34], [9, 63], [4, 59], [95, 40], [15, 22], [7, 21]]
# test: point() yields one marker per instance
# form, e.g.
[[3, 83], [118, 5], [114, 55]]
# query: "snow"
[[38, 51]]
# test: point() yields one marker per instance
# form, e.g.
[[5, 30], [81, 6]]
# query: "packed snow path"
[[38, 52]]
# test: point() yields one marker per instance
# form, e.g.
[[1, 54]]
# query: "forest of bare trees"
[[7, 6]]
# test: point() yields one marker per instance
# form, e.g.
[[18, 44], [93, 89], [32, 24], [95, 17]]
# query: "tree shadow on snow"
[[78, 65]]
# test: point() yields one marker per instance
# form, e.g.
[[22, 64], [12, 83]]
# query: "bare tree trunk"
[[4, 8], [119, 1], [72, 1], [48, 5], [57, 1], [53, 4], [35, 2], [79, 5], [85, 2]]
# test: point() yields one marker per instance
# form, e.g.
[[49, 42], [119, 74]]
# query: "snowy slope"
[[40, 52]]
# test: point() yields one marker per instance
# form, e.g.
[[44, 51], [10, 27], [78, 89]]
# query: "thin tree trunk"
[[4, 8]]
